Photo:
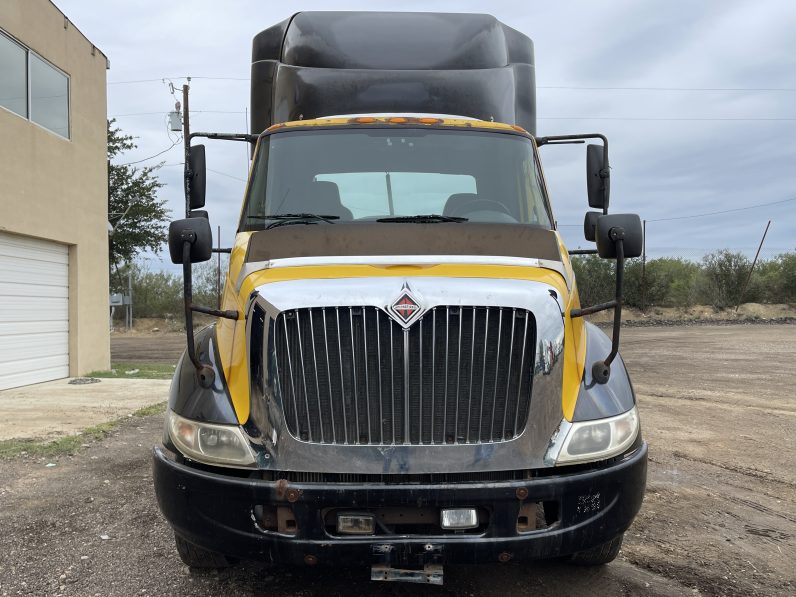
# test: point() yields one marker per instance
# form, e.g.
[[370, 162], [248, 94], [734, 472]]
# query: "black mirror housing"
[[197, 176], [590, 225], [195, 230], [633, 239], [598, 177]]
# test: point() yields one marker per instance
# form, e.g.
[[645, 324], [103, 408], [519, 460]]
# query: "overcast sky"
[[675, 151]]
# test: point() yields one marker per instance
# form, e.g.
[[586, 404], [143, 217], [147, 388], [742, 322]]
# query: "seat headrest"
[[320, 197], [456, 202]]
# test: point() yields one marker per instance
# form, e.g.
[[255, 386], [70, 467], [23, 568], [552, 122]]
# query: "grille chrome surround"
[[353, 375], [279, 450]]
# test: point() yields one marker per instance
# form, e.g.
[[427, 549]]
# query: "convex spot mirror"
[[195, 230], [598, 181], [197, 176], [633, 235], [590, 225]]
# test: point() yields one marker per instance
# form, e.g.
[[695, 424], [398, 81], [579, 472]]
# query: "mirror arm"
[[215, 312], [601, 370], [204, 371], [618, 234]]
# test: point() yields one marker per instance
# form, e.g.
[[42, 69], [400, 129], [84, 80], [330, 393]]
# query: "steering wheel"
[[483, 205]]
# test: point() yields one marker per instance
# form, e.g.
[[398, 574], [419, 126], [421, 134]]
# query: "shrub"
[[595, 278], [160, 293], [725, 274]]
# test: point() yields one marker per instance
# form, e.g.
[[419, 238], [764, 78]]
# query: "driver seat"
[[321, 197], [456, 205]]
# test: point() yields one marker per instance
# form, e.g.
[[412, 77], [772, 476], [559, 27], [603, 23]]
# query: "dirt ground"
[[719, 517]]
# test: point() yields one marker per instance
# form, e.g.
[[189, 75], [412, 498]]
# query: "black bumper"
[[216, 512]]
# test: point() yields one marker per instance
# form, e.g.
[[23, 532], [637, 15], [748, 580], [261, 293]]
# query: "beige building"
[[53, 197]]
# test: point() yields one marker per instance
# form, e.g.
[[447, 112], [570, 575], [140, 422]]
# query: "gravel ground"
[[719, 517]]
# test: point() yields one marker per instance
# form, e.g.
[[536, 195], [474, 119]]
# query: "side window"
[[537, 212]]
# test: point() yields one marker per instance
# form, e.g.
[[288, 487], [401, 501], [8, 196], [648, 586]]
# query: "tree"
[[725, 274], [134, 209]]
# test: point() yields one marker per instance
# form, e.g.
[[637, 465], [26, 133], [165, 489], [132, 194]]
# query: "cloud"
[[660, 168]]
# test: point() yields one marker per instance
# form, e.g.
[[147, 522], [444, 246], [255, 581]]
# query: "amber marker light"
[[363, 120], [398, 120], [430, 120]]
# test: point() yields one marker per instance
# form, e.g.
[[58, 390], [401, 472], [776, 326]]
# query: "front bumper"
[[217, 512]]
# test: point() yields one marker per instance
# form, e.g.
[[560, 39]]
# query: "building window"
[[33, 88], [14, 75]]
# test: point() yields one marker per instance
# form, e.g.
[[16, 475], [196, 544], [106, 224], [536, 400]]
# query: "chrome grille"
[[353, 375]]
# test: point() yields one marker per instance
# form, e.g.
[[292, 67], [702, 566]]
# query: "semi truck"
[[399, 374]]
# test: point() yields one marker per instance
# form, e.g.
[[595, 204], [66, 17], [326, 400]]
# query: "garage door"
[[34, 311]]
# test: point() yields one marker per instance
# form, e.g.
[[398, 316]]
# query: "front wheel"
[[198, 557], [599, 555]]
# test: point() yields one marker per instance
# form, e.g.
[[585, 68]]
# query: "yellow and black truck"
[[399, 374]]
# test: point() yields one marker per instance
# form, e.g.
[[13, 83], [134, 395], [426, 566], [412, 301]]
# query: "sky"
[[697, 100]]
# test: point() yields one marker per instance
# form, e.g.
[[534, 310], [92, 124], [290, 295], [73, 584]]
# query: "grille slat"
[[456, 376]]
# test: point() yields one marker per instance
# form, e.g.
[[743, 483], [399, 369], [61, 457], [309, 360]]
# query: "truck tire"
[[198, 557], [599, 555]]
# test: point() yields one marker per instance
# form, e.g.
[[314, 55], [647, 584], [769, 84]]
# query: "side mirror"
[[197, 232], [618, 236], [590, 225], [598, 181], [607, 231], [197, 176]]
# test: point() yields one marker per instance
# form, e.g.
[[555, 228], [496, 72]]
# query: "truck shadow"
[[539, 579]]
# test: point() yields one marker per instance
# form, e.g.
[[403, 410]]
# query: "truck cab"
[[400, 374]]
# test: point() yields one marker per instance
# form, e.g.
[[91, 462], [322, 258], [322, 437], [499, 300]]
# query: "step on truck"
[[400, 374]]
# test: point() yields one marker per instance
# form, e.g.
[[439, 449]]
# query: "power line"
[[724, 211], [210, 170], [173, 145], [192, 112], [702, 215], [227, 175], [734, 89], [561, 87], [665, 119], [160, 80]]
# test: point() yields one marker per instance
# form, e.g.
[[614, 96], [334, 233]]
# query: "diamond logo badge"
[[405, 309]]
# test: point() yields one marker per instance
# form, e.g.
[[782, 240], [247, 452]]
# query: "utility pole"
[[644, 266], [186, 133], [751, 269], [129, 297]]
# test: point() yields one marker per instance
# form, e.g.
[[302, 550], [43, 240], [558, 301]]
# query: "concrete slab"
[[56, 408]]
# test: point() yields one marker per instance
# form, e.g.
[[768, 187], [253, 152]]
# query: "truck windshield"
[[371, 174]]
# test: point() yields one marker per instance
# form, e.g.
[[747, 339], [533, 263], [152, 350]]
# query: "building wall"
[[55, 188]]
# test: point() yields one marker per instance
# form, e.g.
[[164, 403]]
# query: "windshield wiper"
[[287, 219], [423, 219]]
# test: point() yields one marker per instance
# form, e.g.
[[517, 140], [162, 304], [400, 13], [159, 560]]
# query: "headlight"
[[587, 441], [210, 443]]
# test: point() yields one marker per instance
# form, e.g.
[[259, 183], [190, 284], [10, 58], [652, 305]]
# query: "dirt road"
[[719, 517]]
